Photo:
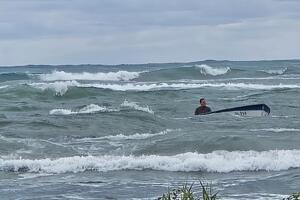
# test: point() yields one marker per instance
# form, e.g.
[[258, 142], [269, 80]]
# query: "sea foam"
[[100, 76], [217, 161], [208, 70]]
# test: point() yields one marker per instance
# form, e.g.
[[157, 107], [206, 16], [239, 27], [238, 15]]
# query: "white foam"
[[136, 136], [277, 130], [61, 87], [3, 86], [217, 161], [163, 86], [208, 70], [135, 106], [275, 71], [92, 108], [109, 76]]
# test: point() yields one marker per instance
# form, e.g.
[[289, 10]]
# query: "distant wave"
[[92, 108], [61, 87], [208, 70], [277, 130], [217, 161], [109, 76], [8, 76], [275, 71], [136, 107]]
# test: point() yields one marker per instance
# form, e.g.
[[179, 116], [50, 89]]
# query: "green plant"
[[186, 193], [294, 196]]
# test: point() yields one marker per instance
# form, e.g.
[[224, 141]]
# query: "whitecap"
[[135, 106], [208, 70], [92, 108], [277, 130], [100, 76], [275, 71], [60, 87], [217, 161]]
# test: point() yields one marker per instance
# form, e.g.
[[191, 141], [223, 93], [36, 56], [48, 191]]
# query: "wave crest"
[[135, 106], [208, 70], [92, 108], [275, 71], [100, 76], [217, 161]]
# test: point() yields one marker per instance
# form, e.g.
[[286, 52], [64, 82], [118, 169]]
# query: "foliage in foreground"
[[186, 193], [294, 196]]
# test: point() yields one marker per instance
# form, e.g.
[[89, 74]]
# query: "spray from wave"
[[109, 76], [217, 161], [208, 70]]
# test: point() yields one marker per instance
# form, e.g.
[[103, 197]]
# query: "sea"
[[129, 131]]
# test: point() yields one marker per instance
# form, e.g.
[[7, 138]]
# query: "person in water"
[[202, 109]]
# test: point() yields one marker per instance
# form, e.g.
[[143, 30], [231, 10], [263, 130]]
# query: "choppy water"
[[128, 131]]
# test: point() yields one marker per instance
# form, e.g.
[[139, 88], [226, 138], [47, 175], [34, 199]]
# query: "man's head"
[[202, 102]]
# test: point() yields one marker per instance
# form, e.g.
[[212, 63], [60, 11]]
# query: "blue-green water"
[[128, 131]]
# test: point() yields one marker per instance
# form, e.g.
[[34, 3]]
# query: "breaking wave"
[[136, 136], [61, 87], [208, 70], [135, 106], [92, 108], [278, 130], [100, 76], [275, 71], [217, 161]]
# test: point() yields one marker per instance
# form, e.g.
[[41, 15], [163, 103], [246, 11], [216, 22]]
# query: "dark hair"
[[201, 99]]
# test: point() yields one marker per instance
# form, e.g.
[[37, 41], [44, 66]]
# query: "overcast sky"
[[143, 31]]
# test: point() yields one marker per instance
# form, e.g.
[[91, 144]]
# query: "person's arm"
[[208, 109]]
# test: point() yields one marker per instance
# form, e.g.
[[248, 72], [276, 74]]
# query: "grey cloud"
[[109, 31]]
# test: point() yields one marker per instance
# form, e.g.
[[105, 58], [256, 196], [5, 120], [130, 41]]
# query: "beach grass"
[[187, 192]]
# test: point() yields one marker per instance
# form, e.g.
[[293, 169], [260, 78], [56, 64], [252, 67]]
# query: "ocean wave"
[[275, 71], [277, 130], [208, 70], [135, 106], [4, 86], [9, 76], [136, 136], [99, 76], [92, 108], [217, 161], [61, 87], [174, 86]]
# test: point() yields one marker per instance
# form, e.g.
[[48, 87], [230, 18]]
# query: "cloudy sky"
[[143, 31]]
